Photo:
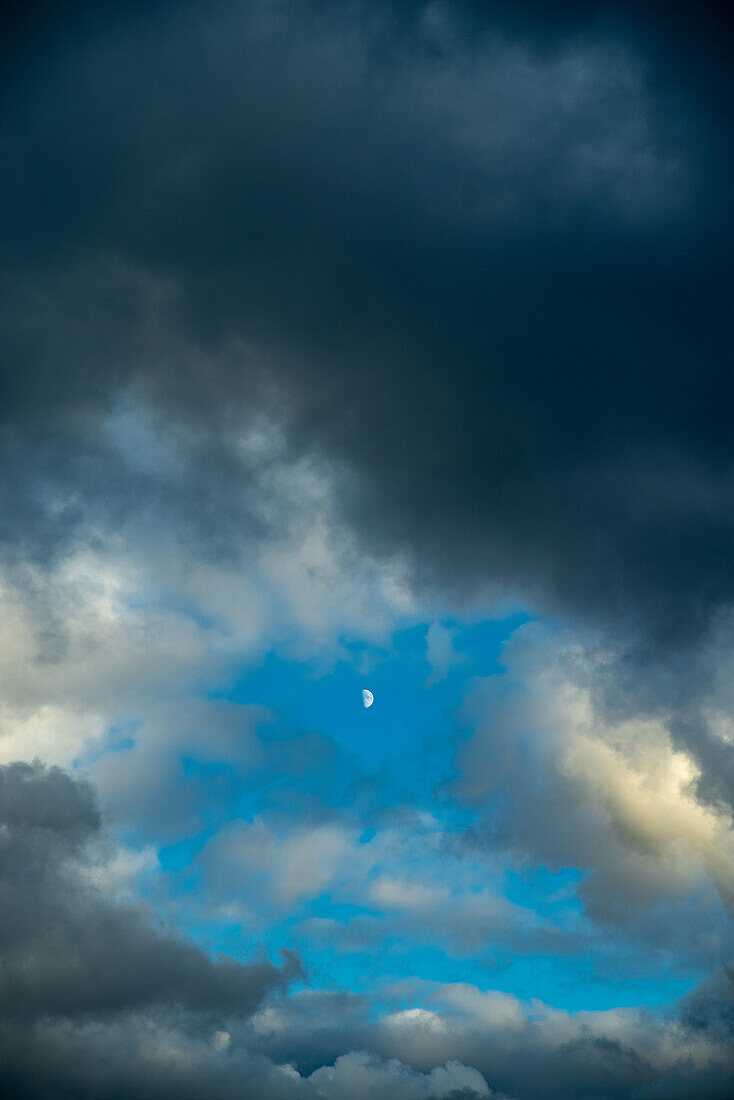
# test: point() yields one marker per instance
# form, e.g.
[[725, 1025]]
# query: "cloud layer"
[[333, 334], [99, 1001]]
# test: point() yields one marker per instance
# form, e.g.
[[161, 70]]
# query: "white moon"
[[367, 697]]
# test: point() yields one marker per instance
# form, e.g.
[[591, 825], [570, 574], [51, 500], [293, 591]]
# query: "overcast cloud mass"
[[372, 345]]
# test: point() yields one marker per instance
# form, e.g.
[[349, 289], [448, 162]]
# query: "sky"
[[377, 345]]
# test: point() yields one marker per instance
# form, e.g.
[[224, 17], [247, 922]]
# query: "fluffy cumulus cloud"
[[540, 1050], [633, 811], [374, 345]]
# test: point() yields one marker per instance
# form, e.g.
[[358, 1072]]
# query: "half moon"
[[367, 697]]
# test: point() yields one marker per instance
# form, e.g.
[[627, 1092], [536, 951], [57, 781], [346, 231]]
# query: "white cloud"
[[361, 1076], [291, 865], [440, 652]]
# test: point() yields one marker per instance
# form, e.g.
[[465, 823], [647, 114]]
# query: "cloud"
[[453, 203], [68, 950], [100, 1000], [412, 883], [313, 315], [550, 1053], [440, 652], [107, 647], [525, 1049], [450, 253], [562, 782], [297, 865], [358, 1075]]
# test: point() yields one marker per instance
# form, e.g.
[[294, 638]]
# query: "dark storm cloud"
[[65, 949], [484, 255]]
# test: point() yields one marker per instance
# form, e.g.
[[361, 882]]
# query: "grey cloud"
[[710, 1007], [560, 780], [707, 1011], [48, 802], [525, 1051], [67, 951], [144, 1057]]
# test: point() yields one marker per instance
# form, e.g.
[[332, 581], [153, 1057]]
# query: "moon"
[[367, 697]]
